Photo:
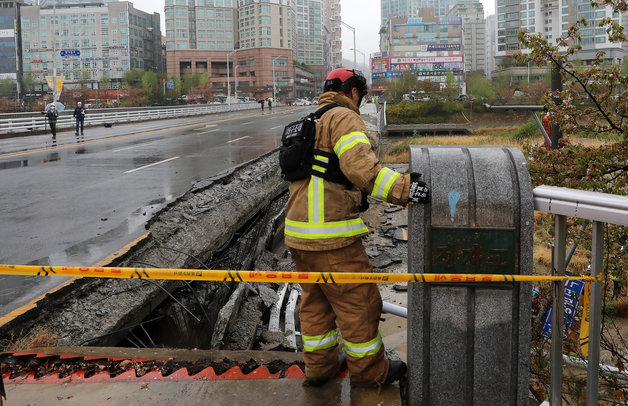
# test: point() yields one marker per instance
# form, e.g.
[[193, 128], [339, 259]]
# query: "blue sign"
[[70, 52], [573, 290], [170, 85]]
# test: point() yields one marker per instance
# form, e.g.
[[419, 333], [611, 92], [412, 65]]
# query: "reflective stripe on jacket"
[[323, 215]]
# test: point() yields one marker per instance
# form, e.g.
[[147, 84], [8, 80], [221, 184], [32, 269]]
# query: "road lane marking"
[[210, 131], [122, 137], [276, 127], [124, 149], [237, 139], [153, 164], [12, 315], [248, 122], [205, 127]]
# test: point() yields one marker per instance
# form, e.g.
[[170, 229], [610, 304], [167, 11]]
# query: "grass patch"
[[38, 337], [520, 137]]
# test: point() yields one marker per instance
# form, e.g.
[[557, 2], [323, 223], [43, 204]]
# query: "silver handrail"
[[600, 208]]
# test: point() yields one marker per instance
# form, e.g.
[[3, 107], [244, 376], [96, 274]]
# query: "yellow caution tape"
[[271, 276], [584, 324]]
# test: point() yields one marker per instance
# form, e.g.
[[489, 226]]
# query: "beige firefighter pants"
[[354, 309]]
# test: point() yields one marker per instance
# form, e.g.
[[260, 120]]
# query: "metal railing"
[[600, 208], [29, 122]]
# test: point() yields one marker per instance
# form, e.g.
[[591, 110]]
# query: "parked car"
[[302, 102]]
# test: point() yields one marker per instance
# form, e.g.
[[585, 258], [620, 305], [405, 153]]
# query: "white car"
[[302, 102]]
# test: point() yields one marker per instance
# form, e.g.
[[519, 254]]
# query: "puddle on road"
[[14, 164]]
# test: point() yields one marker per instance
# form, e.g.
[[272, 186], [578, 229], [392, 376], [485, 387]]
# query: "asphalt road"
[[78, 201]]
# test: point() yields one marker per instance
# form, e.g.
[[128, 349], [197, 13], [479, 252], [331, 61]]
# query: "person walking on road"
[[262, 103], [323, 231], [270, 104], [51, 115], [79, 115]]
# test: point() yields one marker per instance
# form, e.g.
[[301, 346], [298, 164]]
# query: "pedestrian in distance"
[[51, 115], [79, 115], [323, 231], [262, 103], [270, 104]]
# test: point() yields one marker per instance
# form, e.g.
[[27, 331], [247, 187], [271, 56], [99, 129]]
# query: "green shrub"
[[427, 112], [529, 130]]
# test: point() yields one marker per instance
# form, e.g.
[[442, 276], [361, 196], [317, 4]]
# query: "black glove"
[[419, 192], [364, 204]]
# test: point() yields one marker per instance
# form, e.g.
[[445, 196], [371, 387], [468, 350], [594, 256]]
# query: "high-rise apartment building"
[[491, 44], [332, 34], [88, 43], [473, 33], [267, 24], [441, 7], [398, 9], [202, 24], [11, 44], [245, 47], [552, 18], [309, 32]]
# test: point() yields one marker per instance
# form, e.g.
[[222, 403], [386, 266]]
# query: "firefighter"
[[323, 231]]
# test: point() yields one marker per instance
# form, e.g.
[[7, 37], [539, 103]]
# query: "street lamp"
[[228, 82], [363, 57], [274, 85], [353, 31]]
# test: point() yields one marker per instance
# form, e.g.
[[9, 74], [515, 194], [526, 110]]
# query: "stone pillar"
[[469, 343]]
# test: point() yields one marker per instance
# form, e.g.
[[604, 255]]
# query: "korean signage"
[[379, 65], [70, 52], [573, 290], [450, 20], [7, 33], [443, 47], [472, 250], [427, 59]]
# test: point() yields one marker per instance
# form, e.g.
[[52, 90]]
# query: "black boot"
[[396, 370]]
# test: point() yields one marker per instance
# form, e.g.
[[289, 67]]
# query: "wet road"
[[79, 201]]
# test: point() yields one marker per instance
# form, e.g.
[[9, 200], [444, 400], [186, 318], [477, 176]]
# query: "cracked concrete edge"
[[165, 228]]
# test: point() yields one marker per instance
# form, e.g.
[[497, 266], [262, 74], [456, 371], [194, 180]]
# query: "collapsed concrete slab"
[[187, 233]]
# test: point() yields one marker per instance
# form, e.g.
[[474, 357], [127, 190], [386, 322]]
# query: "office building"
[[89, 43], [428, 46], [473, 34]]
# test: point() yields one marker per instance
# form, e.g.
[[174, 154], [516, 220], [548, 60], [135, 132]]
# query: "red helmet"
[[343, 79]]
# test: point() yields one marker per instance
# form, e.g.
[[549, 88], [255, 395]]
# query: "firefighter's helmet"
[[343, 79]]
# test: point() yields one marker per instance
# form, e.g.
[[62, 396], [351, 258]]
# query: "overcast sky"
[[363, 15]]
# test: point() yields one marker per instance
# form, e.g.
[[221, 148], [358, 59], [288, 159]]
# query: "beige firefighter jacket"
[[322, 215]]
